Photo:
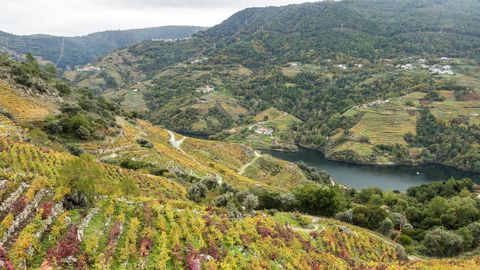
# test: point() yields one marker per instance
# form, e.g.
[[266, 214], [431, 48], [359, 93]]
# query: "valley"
[[325, 135]]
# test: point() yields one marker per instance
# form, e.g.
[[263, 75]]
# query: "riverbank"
[[359, 176], [377, 162]]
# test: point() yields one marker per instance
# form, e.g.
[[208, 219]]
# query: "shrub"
[[223, 199], [210, 183], [442, 243], [83, 133], [38, 137], [386, 227], [433, 96], [319, 200], [74, 150], [287, 201], [144, 143], [63, 88], [250, 202], [83, 177], [346, 216], [368, 217], [405, 240], [197, 192]]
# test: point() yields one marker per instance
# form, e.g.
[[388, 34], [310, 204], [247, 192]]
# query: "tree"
[[368, 217], [386, 227], [287, 201], [82, 178], [32, 64], [442, 243], [49, 72], [320, 200]]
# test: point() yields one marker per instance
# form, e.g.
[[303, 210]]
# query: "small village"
[[440, 69], [88, 68]]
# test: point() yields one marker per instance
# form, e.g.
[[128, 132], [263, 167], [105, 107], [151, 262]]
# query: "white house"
[[89, 67], [264, 131], [205, 89], [443, 70]]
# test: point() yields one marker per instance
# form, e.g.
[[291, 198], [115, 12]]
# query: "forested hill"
[[371, 29], [81, 50]]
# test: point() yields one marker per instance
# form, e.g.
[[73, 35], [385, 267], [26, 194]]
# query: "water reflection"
[[384, 177]]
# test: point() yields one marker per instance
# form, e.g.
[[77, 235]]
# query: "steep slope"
[[78, 51]]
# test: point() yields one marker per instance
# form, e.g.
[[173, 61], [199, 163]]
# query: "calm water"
[[384, 177]]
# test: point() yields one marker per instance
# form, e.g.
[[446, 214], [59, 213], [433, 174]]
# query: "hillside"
[[78, 51], [314, 61], [270, 129], [86, 185]]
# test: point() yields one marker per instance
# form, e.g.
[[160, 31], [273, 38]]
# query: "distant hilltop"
[[78, 51]]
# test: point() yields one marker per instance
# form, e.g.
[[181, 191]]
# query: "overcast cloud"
[[80, 17]]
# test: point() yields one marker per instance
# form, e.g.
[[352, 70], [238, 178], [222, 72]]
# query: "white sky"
[[80, 17]]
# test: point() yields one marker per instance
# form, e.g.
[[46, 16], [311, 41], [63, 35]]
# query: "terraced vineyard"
[[387, 123], [199, 157], [41, 166], [7, 127], [37, 232], [22, 107], [139, 234]]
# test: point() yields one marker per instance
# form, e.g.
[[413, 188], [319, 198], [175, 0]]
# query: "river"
[[384, 177]]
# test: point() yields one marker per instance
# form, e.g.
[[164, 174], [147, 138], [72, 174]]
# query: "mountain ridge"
[[80, 50]]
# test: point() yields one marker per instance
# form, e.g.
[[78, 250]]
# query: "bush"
[[144, 143], [266, 199], [409, 103], [319, 200], [250, 202], [346, 216], [386, 227], [74, 150], [197, 192], [83, 179], [63, 88], [210, 183], [38, 137], [83, 133], [368, 217], [287, 201], [433, 96], [223, 199], [442, 243], [405, 240], [224, 188]]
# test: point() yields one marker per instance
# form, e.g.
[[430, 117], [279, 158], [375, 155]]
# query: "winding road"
[[244, 167], [176, 143]]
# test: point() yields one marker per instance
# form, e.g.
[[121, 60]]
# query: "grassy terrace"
[[389, 122], [22, 107]]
